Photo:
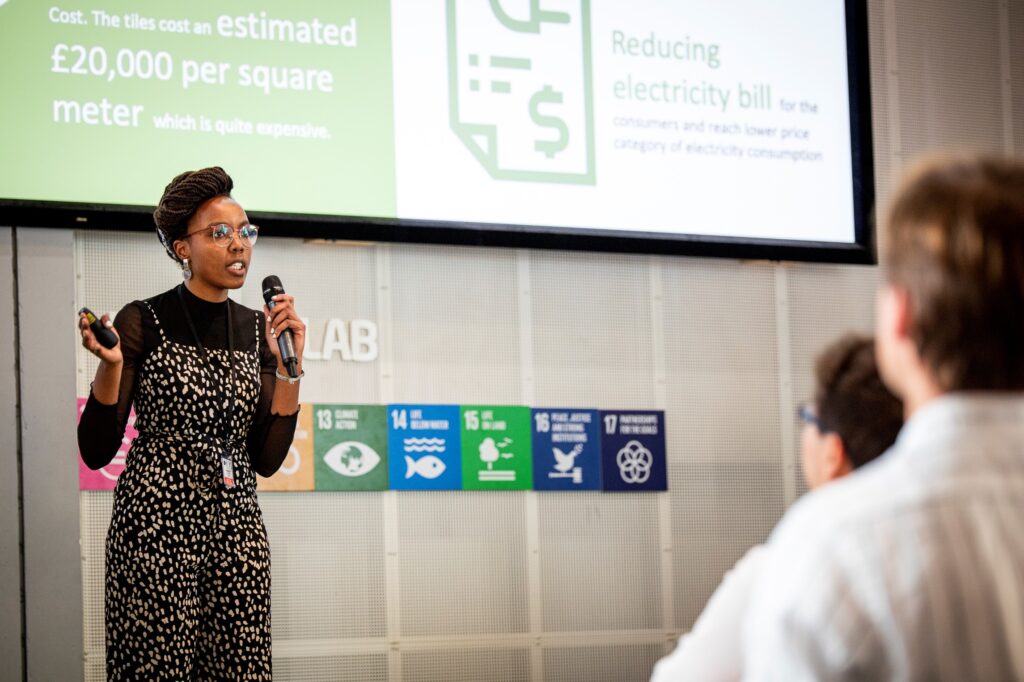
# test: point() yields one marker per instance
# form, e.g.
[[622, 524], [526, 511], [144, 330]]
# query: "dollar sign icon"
[[549, 147]]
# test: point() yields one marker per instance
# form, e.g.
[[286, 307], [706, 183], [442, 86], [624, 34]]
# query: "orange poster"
[[296, 472]]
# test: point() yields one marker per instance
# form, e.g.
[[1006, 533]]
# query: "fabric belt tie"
[[204, 481]]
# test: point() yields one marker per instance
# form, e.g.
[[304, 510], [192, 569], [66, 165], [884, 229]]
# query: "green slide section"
[[106, 102]]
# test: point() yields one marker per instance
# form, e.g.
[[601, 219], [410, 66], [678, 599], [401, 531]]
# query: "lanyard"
[[226, 457]]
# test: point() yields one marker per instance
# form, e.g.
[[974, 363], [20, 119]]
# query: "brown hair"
[[182, 197], [955, 244], [852, 401]]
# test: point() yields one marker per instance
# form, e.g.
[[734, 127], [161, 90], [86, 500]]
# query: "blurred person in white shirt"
[[852, 419], [914, 568]]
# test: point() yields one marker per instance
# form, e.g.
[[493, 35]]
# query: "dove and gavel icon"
[[564, 462]]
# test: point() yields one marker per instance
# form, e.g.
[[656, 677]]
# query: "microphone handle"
[[286, 343]]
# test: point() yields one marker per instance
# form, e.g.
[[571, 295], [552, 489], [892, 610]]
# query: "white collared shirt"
[[910, 569]]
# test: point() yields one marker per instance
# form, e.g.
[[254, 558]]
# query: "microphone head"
[[271, 287]]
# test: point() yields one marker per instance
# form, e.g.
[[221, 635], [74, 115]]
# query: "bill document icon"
[[520, 87]]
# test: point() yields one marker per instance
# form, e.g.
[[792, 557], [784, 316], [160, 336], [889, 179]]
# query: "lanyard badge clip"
[[228, 470]]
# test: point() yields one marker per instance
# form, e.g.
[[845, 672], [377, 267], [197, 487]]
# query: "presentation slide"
[[726, 119]]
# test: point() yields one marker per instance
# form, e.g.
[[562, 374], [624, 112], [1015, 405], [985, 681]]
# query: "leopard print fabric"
[[188, 561]]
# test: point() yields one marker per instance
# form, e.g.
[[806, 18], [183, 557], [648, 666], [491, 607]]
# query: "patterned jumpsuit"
[[188, 561]]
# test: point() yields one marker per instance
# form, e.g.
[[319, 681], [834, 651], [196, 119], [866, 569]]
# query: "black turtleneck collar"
[[196, 303]]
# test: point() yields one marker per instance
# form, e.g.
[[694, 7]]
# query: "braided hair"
[[182, 197]]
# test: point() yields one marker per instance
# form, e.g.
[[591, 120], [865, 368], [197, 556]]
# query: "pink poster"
[[105, 478]]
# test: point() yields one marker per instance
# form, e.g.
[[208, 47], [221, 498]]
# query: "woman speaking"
[[188, 562]]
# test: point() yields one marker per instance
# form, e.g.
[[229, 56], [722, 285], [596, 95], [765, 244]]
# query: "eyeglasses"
[[223, 234], [805, 414]]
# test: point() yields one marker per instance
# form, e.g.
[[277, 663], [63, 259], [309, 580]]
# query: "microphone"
[[272, 287]]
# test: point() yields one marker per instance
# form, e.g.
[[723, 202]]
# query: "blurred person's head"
[[853, 417], [951, 310]]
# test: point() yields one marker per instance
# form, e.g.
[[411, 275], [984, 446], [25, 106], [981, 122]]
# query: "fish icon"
[[428, 467]]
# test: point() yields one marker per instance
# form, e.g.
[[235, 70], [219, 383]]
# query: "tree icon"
[[489, 452]]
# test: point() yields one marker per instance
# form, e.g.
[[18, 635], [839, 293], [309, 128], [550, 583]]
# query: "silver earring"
[[186, 271]]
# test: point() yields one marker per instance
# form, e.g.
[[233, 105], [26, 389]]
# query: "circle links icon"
[[635, 462]]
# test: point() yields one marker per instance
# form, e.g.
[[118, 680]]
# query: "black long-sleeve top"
[[102, 427]]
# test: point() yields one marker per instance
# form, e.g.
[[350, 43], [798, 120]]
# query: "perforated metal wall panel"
[[454, 325], [607, 664], [950, 75], [722, 410], [825, 303], [462, 563], [327, 567], [95, 670], [591, 329], [1015, 56], [721, 360], [483, 665], [882, 109], [599, 558], [719, 510], [472, 586], [368, 668]]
